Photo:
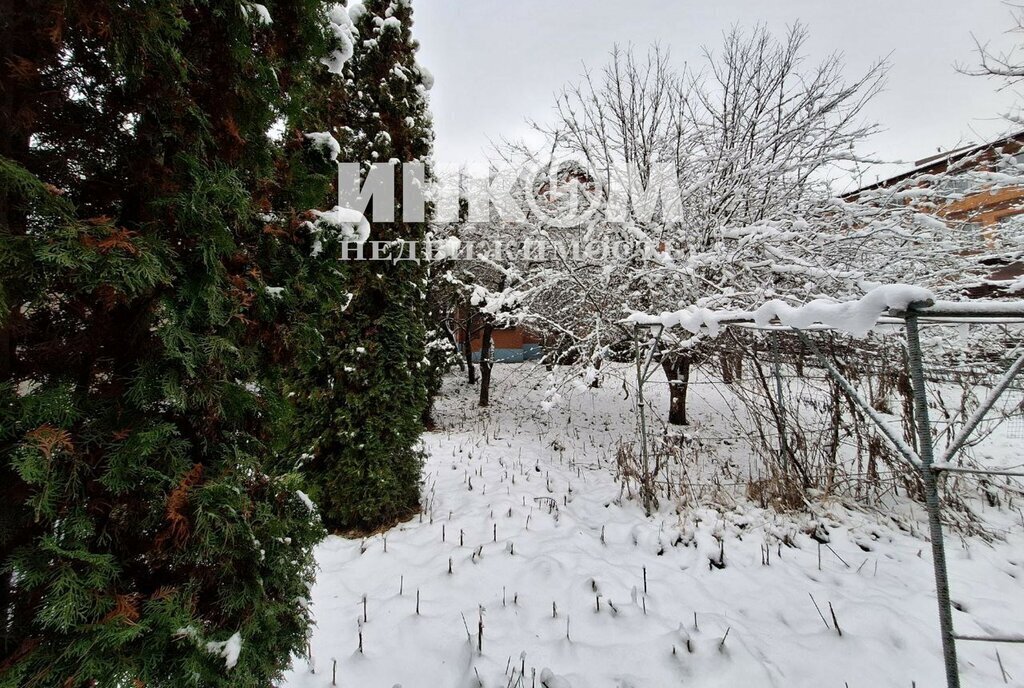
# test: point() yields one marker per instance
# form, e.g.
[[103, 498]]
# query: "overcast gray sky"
[[496, 62]]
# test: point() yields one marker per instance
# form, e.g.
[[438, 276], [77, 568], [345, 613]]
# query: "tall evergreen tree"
[[152, 535], [369, 393]]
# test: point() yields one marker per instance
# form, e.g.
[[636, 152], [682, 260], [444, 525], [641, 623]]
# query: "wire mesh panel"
[[1015, 421]]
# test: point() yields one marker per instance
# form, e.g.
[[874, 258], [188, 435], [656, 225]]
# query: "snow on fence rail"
[[886, 304]]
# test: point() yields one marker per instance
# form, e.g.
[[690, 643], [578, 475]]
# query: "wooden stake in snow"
[[480, 631], [417, 601], [721, 645], [1006, 678], [819, 611], [645, 580], [837, 555], [835, 620], [334, 672], [364, 609]]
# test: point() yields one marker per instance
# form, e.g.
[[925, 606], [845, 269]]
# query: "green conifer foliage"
[[152, 532], [368, 393]]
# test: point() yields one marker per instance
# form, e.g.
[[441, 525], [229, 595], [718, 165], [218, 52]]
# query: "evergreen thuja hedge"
[[154, 534], [365, 396]]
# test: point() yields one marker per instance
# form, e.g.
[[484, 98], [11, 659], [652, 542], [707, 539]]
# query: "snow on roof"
[[944, 158]]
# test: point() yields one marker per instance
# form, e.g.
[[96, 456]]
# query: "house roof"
[[936, 163]]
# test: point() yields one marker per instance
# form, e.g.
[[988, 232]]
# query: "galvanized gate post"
[[931, 494], [643, 374], [642, 418], [780, 403]]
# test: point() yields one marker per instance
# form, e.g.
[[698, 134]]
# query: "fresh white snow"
[[304, 498], [326, 142], [347, 224], [854, 317], [228, 649], [523, 507], [340, 24], [260, 12], [426, 76]]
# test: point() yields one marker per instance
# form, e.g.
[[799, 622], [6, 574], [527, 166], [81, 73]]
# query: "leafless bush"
[[635, 478], [810, 440], [778, 491]]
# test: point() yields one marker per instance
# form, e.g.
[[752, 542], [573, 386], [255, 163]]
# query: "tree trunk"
[[677, 370], [467, 351], [596, 382], [486, 362]]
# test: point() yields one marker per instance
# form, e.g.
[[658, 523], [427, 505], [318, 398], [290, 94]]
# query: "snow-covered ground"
[[524, 529]]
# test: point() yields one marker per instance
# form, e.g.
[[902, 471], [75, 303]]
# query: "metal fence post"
[[642, 417], [780, 403], [931, 494]]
